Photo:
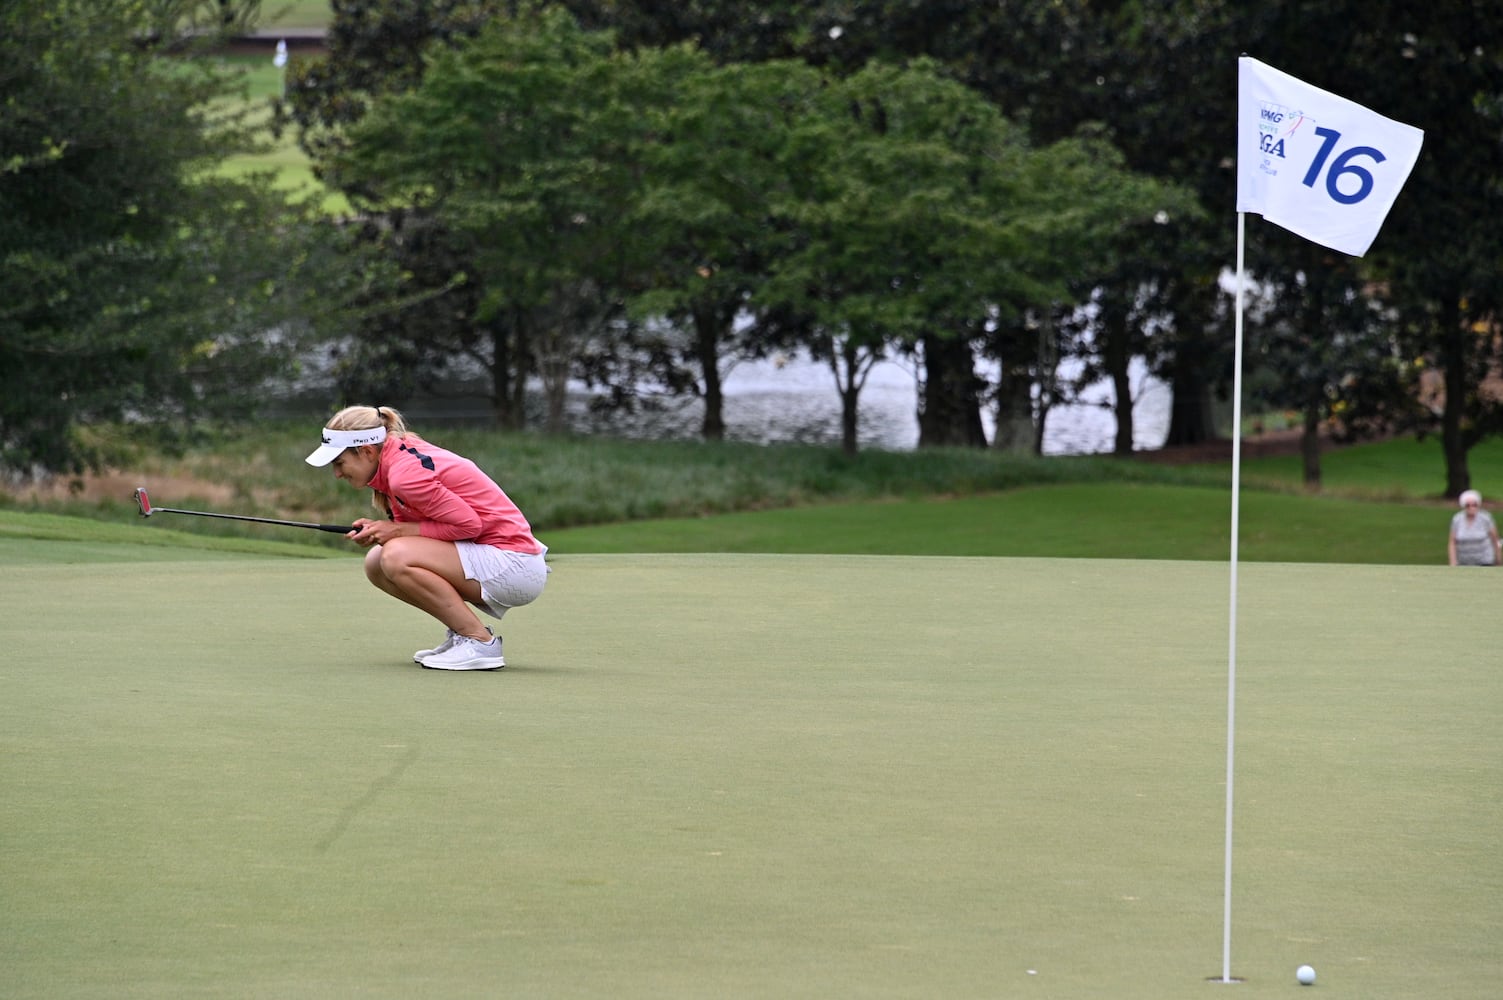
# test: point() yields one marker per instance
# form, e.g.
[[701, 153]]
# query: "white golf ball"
[[1305, 975]]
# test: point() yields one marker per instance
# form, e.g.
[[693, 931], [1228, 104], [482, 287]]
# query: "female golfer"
[[447, 538], [1474, 537]]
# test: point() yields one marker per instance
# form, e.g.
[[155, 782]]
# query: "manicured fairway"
[[751, 776]]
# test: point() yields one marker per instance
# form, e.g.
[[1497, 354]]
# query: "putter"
[[144, 503]]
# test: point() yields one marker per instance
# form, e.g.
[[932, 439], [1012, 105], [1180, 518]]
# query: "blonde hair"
[[364, 418]]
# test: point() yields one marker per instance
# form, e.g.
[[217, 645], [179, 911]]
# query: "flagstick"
[[1231, 662]]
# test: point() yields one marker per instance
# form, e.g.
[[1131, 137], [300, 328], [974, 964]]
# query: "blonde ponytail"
[[363, 418]]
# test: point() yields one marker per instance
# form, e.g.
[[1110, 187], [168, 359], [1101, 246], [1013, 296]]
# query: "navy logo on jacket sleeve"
[[427, 462]]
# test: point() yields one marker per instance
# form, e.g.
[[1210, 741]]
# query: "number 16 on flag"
[[1319, 165]]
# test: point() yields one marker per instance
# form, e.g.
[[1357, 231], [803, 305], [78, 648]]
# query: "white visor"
[[335, 442]]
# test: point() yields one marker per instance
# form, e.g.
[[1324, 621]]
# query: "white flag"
[[1319, 165]]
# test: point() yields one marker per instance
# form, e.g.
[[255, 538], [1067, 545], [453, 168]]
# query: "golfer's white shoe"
[[449, 636], [468, 654], [423, 654]]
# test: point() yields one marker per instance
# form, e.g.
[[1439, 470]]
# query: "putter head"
[[143, 501]]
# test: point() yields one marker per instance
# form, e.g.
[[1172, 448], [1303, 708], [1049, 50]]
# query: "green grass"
[[1403, 468], [1076, 521], [612, 496], [1120, 521], [296, 14], [39, 537], [750, 776], [292, 171], [564, 482], [755, 774]]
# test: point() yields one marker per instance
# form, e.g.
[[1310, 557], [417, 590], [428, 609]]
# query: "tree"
[[883, 203], [1123, 68], [135, 282], [708, 170], [918, 214], [428, 314], [1437, 258], [375, 47], [1327, 350], [1443, 248], [526, 144]]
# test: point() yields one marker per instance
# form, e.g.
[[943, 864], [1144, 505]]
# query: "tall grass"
[[567, 482]]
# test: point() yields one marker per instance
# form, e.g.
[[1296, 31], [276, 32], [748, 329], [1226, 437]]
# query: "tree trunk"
[[1309, 445], [1122, 403], [1015, 429], [1190, 419], [849, 424], [555, 372], [707, 336], [508, 372], [950, 407], [1116, 357], [1453, 436], [849, 381], [1038, 429]]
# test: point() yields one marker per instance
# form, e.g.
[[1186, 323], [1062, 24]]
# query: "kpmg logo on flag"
[[1276, 125], [1319, 165]]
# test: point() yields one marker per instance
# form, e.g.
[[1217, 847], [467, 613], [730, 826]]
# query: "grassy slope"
[[290, 166], [1401, 469], [295, 14], [263, 81], [1091, 521]]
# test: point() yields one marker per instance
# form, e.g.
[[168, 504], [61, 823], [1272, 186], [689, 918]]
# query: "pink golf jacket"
[[449, 497]]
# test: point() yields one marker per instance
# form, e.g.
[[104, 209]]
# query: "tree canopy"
[[1160, 80], [858, 208], [632, 193], [135, 282]]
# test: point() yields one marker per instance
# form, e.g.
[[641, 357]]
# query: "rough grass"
[[666, 496]]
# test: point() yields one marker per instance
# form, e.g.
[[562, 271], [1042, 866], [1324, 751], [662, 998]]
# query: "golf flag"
[[1321, 166]]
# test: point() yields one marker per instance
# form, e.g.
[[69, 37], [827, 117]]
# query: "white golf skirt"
[[507, 579]]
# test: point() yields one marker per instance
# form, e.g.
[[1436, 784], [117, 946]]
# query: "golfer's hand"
[[368, 532]]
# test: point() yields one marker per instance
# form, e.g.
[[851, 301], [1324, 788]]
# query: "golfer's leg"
[[426, 573]]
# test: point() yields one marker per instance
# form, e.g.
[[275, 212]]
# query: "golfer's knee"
[[394, 558], [375, 571]]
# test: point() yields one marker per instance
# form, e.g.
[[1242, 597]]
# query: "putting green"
[[749, 776]]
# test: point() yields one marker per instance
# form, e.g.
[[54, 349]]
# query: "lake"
[[789, 399], [795, 400]]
